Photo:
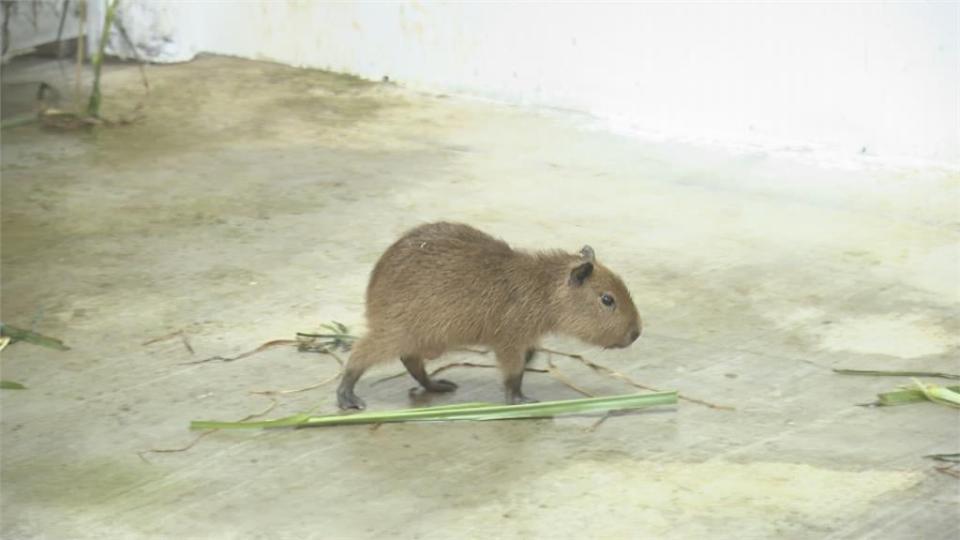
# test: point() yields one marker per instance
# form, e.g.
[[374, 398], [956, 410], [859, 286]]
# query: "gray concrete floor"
[[251, 203]]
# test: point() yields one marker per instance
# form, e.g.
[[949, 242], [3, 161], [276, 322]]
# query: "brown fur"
[[446, 285]]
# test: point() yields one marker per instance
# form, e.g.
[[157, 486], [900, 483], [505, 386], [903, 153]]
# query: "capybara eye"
[[607, 299]]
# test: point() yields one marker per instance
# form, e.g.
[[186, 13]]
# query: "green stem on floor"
[[884, 373], [903, 397], [19, 334], [327, 336], [93, 106], [468, 411], [19, 120]]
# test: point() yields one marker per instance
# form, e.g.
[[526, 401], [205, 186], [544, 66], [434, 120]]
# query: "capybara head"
[[595, 306]]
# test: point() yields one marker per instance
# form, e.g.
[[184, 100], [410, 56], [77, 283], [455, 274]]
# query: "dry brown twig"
[[81, 40], [186, 343], [897, 373], [555, 372], [593, 427], [304, 343], [312, 386], [948, 470], [452, 365], [297, 390], [158, 339], [191, 444], [616, 374], [179, 333], [310, 343], [261, 348], [307, 342]]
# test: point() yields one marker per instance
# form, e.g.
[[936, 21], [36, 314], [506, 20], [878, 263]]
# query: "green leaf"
[[469, 411], [939, 394], [19, 120], [11, 385], [885, 373], [903, 397], [19, 334]]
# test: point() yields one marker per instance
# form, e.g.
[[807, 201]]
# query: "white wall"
[[879, 78], [36, 23]]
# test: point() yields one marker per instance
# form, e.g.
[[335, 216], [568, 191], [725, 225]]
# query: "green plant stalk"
[[327, 336], [300, 419], [939, 394], [882, 373], [19, 334], [471, 411], [11, 385], [904, 397], [93, 106], [19, 120]]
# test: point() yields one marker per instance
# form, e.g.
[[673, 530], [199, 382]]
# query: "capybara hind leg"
[[366, 352], [346, 398], [414, 365]]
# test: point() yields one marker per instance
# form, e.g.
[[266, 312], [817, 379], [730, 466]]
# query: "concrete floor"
[[252, 202]]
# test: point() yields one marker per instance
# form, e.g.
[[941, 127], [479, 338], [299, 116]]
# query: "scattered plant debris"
[[616, 374], [905, 396], [949, 470], [261, 348], [338, 340], [19, 334], [882, 373], [939, 394], [179, 333], [336, 337], [452, 365], [273, 404], [468, 411], [9, 385], [312, 386], [87, 116]]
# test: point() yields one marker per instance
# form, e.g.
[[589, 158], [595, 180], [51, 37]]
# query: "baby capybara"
[[448, 285]]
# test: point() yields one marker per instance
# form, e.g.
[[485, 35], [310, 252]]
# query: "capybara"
[[447, 285]]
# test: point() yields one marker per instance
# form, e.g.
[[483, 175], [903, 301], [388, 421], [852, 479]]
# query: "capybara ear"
[[587, 254], [580, 273]]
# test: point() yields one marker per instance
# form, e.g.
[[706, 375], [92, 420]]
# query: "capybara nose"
[[634, 335]]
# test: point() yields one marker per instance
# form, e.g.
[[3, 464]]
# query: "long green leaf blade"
[[19, 334], [477, 412], [904, 397], [885, 373]]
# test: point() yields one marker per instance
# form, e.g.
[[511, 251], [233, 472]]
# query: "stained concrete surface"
[[253, 199]]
